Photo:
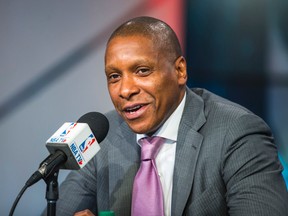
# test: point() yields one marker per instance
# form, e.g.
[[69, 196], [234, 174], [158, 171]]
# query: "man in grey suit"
[[218, 158]]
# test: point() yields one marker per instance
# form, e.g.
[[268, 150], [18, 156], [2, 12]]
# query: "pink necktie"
[[147, 198]]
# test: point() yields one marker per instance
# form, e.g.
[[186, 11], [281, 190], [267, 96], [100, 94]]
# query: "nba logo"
[[68, 130], [88, 142]]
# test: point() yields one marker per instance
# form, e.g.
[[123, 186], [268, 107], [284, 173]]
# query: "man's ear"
[[181, 69]]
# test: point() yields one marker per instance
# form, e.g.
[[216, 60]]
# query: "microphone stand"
[[49, 169], [52, 192]]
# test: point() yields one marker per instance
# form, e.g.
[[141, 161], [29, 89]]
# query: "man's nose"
[[128, 87]]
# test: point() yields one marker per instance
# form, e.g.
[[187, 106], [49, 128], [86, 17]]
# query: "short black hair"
[[158, 31]]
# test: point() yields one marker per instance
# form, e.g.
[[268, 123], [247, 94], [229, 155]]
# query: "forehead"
[[131, 39], [136, 44]]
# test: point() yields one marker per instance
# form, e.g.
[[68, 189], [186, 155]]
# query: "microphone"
[[73, 145]]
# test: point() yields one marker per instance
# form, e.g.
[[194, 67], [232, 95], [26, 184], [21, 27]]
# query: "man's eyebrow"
[[110, 68], [133, 66]]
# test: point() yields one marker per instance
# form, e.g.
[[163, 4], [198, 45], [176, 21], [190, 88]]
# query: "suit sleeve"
[[251, 169]]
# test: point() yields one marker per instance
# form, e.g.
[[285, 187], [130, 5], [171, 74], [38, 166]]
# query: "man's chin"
[[140, 129]]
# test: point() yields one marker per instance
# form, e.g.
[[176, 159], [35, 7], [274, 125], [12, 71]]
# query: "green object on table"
[[106, 213]]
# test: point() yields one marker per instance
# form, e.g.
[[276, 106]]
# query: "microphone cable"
[[17, 199]]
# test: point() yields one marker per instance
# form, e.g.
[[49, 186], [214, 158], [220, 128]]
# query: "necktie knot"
[[150, 147]]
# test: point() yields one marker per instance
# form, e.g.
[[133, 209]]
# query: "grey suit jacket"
[[226, 164]]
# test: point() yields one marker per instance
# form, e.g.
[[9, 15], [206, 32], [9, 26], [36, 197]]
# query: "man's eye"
[[113, 77], [143, 71]]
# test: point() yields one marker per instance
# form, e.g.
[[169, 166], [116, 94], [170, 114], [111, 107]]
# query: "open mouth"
[[133, 109]]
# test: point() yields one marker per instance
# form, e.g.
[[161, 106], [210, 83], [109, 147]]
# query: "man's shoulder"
[[115, 120], [218, 109], [214, 102]]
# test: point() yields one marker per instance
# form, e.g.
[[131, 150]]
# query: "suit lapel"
[[123, 165], [188, 146]]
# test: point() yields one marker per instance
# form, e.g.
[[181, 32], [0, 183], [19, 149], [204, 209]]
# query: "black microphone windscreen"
[[98, 124]]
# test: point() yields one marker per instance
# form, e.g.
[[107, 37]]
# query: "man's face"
[[145, 87]]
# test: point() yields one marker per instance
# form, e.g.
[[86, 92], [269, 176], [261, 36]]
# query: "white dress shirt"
[[165, 159]]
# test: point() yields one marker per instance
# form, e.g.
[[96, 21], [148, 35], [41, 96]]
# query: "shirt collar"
[[169, 130]]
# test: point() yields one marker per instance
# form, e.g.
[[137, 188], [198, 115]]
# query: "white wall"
[[35, 37]]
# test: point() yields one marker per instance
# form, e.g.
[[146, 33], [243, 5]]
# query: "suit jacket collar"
[[188, 146]]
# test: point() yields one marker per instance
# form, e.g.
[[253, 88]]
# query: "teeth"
[[132, 109]]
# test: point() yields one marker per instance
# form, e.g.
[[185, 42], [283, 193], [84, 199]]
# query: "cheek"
[[113, 94], [166, 97]]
